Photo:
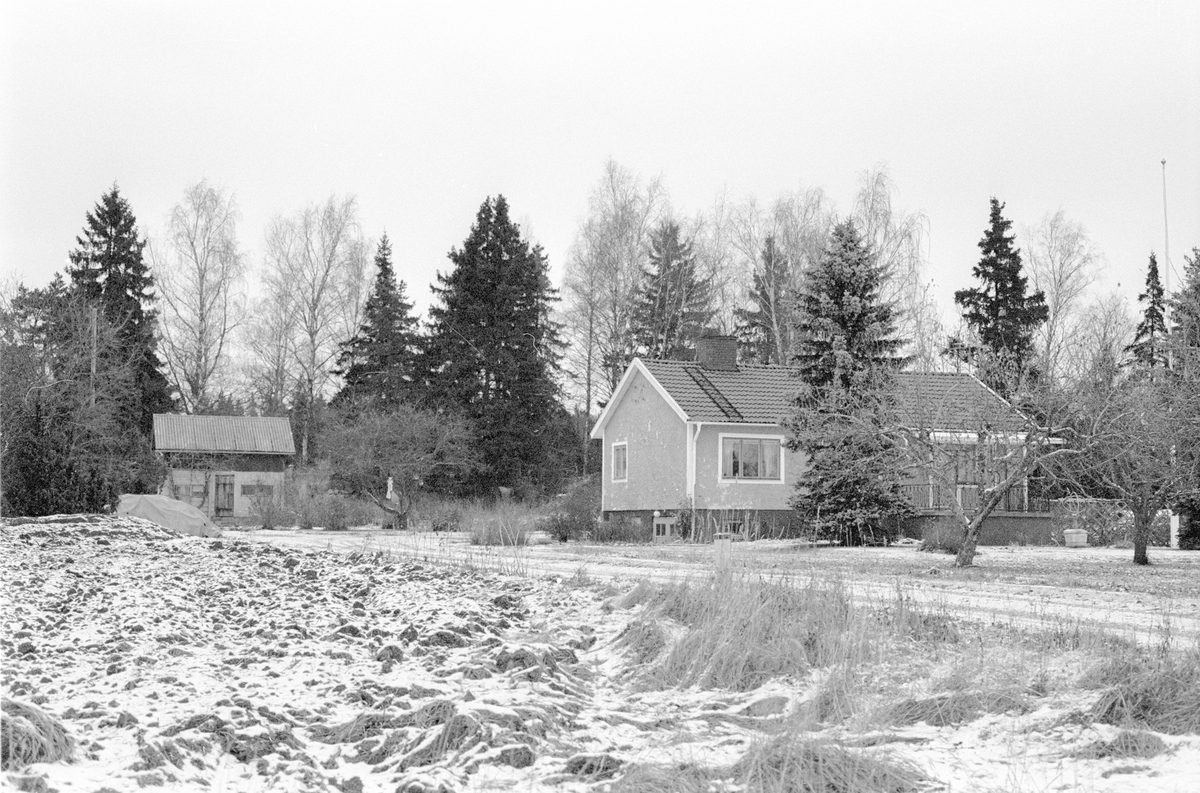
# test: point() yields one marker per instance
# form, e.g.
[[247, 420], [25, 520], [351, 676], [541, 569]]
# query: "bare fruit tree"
[[1138, 443], [316, 260], [199, 268], [976, 452], [1063, 264]]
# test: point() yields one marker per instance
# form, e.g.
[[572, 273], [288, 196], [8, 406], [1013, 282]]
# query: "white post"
[[723, 547], [1174, 530]]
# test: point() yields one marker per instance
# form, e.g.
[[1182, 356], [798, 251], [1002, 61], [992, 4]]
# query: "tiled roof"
[[241, 434], [758, 394]]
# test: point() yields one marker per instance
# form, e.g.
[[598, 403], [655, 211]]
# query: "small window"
[[198, 494], [756, 459], [620, 462], [266, 491]]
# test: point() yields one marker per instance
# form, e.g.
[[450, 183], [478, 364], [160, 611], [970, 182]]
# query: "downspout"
[[691, 468]]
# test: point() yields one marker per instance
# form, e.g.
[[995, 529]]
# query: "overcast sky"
[[423, 110]]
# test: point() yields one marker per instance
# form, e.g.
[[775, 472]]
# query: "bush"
[[330, 511], [574, 516], [1189, 523], [270, 511], [445, 516]]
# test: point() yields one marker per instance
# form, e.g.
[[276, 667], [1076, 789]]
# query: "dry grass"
[[30, 735], [1159, 691], [790, 763], [955, 707], [680, 778], [1126, 744], [504, 523], [739, 632], [644, 639]]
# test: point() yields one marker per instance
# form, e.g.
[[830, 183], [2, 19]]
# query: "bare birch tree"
[[1104, 329], [267, 339], [199, 269], [794, 230], [898, 239], [719, 264], [318, 258], [1063, 264], [603, 275]]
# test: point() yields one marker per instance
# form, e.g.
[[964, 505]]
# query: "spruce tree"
[[1185, 349], [1000, 312], [379, 362], [847, 354], [107, 269], [846, 334], [677, 303], [763, 329], [1149, 348], [493, 351], [1185, 320]]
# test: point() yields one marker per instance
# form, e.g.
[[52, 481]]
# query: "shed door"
[[223, 503]]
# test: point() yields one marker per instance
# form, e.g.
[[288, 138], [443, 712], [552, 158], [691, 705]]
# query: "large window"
[[751, 459], [620, 462]]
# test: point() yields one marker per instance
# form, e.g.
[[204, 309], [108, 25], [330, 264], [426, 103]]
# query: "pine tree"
[[677, 303], [107, 268], [999, 311], [1149, 347], [847, 355], [494, 351], [379, 362], [764, 328]]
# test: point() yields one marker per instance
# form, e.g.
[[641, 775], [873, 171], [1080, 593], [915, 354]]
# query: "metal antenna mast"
[[1166, 231]]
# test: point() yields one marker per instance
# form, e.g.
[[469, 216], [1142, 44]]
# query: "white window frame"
[[613, 461], [743, 436]]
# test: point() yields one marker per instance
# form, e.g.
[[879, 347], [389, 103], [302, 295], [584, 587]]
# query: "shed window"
[[751, 458], [620, 462], [266, 491]]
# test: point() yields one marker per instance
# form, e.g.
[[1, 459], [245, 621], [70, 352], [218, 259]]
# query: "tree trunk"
[[1142, 519], [970, 539]]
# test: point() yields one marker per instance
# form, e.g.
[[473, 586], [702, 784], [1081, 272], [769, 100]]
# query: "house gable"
[[644, 431]]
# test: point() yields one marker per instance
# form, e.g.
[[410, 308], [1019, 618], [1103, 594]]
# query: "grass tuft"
[[30, 735], [790, 763], [740, 633], [1126, 744], [957, 707], [644, 638], [1160, 692], [679, 778]]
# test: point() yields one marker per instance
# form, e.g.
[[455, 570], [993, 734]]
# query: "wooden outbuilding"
[[229, 467]]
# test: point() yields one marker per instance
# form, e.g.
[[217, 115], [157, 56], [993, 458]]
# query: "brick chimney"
[[717, 352]]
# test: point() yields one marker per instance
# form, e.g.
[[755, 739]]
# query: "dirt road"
[[1055, 589]]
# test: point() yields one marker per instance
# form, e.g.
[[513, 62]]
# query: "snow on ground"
[[221, 664]]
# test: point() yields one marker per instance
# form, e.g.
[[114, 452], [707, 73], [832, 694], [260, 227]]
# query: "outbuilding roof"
[[762, 394], [175, 432]]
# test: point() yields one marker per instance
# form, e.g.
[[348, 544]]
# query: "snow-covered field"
[[363, 662]]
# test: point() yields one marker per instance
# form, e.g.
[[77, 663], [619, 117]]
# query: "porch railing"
[[937, 498]]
